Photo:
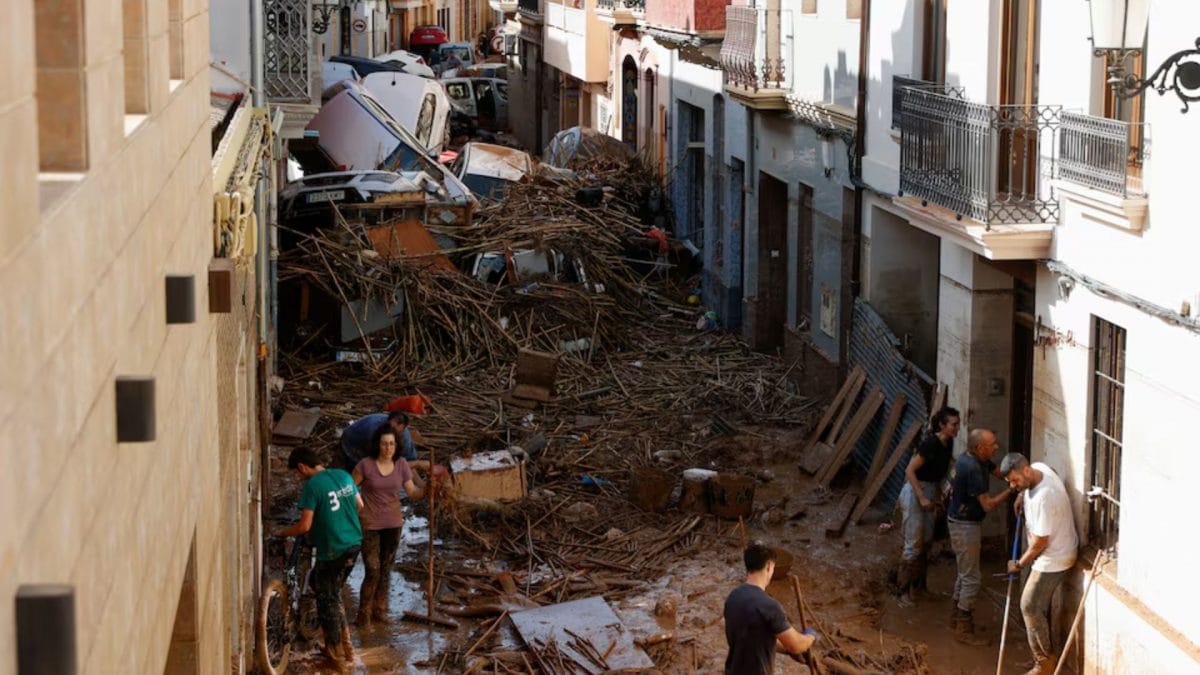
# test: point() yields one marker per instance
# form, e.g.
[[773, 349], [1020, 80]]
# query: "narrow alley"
[[569, 337]]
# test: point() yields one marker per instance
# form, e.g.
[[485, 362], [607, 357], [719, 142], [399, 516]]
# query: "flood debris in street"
[[599, 433]]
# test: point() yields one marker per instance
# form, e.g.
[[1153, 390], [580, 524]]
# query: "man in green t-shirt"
[[329, 506]]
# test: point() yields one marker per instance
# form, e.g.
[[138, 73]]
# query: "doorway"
[[803, 254], [1018, 124], [771, 298], [629, 103]]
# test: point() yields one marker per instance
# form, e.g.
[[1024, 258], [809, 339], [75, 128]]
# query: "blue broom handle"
[[1016, 542]]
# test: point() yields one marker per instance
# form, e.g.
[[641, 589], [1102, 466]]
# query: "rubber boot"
[[920, 581], [964, 629], [904, 583], [347, 646], [379, 608], [363, 618]]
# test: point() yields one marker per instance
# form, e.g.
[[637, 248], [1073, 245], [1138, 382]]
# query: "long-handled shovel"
[[1008, 596]]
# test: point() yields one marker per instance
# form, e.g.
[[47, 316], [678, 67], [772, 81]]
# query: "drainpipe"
[[851, 283], [258, 96]]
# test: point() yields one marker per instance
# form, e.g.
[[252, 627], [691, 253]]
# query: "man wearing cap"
[[1053, 545]]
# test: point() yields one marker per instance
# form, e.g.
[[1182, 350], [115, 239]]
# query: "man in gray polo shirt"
[[1052, 548]]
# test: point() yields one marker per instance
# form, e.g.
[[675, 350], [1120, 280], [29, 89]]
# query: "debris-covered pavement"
[[555, 332]]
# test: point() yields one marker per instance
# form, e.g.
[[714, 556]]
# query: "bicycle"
[[287, 609]]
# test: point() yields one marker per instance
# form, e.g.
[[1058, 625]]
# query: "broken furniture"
[[534, 375], [582, 630], [489, 475]]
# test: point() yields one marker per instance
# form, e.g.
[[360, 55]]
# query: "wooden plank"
[[841, 516], [902, 449], [836, 430], [854, 431], [940, 393], [296, 425], [832, 410], [885, 437]]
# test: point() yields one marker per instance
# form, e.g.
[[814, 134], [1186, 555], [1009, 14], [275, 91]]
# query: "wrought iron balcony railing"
[[530, 6], [757, 51], [985, 162], [1102, 154], [287, 50], [901, 83], [605, 5]]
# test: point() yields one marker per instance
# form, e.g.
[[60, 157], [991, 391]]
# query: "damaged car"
[[487, 169], [353, 131]]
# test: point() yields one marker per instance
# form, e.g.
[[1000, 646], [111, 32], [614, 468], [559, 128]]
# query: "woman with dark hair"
[[380, 477]]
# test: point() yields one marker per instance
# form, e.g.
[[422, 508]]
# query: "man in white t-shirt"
[[1052, 547]]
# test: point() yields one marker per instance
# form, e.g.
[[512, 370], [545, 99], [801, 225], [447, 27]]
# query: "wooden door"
[[1017, 121], [771, 298]]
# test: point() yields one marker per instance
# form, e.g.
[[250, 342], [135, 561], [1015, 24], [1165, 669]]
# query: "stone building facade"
[[107, 189]]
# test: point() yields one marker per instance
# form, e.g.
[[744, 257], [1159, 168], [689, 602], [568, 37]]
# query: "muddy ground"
[[845, 581]]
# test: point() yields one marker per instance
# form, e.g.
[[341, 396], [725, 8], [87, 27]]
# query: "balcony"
[[531, 8], [576, 40], [1100, 166], [621, 12], [901, 84], [756, 56], [289, 52], [980, 172]]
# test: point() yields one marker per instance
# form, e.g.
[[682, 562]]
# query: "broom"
[[1008, 596]]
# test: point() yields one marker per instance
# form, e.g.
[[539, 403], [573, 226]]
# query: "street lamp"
[[1118, 32]]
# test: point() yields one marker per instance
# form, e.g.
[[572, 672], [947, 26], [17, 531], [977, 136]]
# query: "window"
[[61, 92], [458, 91], [425, 118], [933, 41], [808, 6], [175, 38], [1108, 419], [1131, 111], [853, 9], [136, 56]]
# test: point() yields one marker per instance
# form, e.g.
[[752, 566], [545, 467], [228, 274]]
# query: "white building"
[[1030, 236]]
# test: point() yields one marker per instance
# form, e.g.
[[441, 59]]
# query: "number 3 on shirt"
[[334, 502]]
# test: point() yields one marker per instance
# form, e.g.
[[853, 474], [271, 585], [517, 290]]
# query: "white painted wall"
[[1153, 582], [229, 42], [824, 62], [1162, 391]]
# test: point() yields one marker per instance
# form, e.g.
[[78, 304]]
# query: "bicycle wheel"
[[271, 629]]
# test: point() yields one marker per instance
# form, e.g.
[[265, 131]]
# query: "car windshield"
[[485, 187], [407, 156]]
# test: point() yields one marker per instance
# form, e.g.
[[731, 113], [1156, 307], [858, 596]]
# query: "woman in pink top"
[[380, 478]]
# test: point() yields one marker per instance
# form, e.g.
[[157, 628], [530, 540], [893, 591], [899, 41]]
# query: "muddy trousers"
[[916, 522], [329, 575], [1035, 608], [379, 556], [965, 538]]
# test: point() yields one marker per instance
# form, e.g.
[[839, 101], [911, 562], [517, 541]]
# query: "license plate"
[[330, 196]]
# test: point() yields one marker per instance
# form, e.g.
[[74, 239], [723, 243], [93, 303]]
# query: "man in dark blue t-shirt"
[[755, 624], [358, 435], [969, 503]]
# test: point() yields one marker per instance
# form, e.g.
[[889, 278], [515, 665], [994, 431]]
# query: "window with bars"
[[1108, 419]]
